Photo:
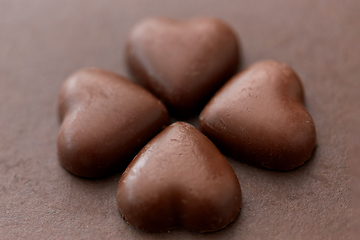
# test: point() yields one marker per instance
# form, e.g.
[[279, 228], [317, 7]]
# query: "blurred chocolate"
[[179, 179], [183, 62], [258, 117], [105, 119]]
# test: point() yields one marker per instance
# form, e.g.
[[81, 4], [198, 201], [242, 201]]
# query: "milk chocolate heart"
[[105, 119], [179, 179], [258, 117], [183, 63]]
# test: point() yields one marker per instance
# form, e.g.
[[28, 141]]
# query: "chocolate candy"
[[105, 119], [179, 179], [259, 118], [183, 63]]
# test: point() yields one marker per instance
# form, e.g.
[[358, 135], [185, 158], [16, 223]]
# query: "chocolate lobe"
[[179, 179], [258, 117], [183, 63], [105, 120]]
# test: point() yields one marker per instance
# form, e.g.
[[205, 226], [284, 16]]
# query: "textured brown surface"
[[178, 179], [105, 121], [42, 42], [182, 62], [258, 117]]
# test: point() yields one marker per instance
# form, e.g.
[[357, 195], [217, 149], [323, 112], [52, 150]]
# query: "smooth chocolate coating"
[[179, 179], [183, 62], [259, 118], [105, 119]]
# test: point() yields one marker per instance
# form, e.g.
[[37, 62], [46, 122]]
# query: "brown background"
[[42, 42]]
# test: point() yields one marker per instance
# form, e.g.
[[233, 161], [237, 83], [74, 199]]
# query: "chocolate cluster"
[[179, 177]]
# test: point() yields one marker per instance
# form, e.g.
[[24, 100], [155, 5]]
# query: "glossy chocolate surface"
[[105, 119], [182, 62], [259, 117], [179, 179]]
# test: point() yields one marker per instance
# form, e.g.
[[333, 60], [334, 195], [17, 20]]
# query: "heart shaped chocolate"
[[259, 118], [182, 63], [105, 119], [179, 179]]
